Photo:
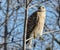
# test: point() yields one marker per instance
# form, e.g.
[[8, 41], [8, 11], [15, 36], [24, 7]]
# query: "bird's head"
[[41, 9]]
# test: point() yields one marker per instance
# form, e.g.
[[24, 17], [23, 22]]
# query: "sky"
[[50, 21]]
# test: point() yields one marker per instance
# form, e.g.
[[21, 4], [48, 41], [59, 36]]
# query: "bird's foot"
[[41, 38]]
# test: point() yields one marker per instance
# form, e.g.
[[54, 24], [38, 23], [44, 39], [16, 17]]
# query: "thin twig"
[[52, 31], [37, 4], [29, 39]]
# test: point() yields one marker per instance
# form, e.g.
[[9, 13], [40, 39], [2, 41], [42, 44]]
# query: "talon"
[[41, 38]]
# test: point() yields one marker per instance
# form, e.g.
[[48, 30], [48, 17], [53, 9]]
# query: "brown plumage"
[[36, 23]]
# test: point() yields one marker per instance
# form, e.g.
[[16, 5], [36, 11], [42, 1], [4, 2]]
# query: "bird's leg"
[[34, 36], [40, 37]]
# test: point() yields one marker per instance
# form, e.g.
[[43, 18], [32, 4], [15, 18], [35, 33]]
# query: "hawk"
[[35, 23]]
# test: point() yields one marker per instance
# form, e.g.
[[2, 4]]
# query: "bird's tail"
[[27, 37]]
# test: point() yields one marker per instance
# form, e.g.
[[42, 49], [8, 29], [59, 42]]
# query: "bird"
[[35, 23]]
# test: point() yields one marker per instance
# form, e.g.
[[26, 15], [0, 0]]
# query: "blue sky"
[[50, 21]]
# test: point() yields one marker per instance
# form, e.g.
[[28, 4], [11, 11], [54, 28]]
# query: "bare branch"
[[29, 1], [36, 4], [46, 33], [15, 28], [52, 31], [29, 39]]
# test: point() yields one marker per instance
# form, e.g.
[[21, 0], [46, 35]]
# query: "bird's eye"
[[43, 7], [39, 8]]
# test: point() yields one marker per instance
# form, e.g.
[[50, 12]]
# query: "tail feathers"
[[27, 37]]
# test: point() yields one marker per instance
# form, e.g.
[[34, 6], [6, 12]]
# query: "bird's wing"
[[32, 22]]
